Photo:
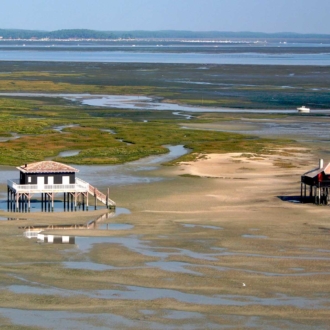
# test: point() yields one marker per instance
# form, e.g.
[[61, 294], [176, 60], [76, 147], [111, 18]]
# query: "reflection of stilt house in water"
[[36, 231], [318, 181], [49, 178]]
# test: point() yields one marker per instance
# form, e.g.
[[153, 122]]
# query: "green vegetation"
[[113, 136], [234, 86], [92, 132]]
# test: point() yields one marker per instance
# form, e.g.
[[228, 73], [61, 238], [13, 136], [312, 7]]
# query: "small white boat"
[[303, 109]]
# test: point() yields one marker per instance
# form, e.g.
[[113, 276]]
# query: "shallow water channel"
[[137, 102], [103, 176]]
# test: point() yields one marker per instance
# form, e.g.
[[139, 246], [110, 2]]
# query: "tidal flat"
[[212, 241], [194, 247]]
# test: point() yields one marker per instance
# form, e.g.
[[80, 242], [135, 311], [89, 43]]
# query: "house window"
[[29, 179]]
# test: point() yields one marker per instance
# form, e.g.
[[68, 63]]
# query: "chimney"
[[321, 163]]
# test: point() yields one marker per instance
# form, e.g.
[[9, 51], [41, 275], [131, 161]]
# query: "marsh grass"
[[133, 140], [239, 86], [34, 119]]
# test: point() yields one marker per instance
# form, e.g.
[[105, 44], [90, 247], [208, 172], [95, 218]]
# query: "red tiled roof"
[[47, 167]]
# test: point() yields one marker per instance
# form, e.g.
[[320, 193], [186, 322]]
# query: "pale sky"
[[302, 16]]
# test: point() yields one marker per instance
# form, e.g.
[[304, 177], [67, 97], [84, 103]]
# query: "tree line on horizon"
[[92, 34]]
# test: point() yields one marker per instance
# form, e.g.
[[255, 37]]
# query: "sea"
[[202, 52]]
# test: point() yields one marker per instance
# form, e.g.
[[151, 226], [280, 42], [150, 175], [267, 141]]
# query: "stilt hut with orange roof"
[[318, 183]]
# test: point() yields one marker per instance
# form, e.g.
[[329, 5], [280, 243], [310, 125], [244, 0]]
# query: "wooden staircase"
[[101, 197]]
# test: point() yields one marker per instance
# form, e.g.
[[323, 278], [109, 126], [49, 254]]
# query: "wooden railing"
[[79, 186], [100, 196]]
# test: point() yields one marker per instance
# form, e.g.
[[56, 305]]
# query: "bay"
[[107, 56]]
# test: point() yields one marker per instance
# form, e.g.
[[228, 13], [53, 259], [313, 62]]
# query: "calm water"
[[147, 103], [109, 56], [103, 176]]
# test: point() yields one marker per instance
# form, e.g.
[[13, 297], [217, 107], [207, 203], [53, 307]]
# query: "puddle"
[[68, 153], [62, 127], [69, 320], [180, 315], [121, 210], [111, 131], [35, 231], [59, 206], [88, 265], [27, 289], [254, 236], [202, 226], [116, 226], [12, 219], [13, 136]]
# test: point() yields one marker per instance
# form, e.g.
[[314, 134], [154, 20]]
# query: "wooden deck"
[[19, 195], [79, 186]]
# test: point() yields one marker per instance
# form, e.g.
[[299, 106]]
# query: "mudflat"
[[221, 242]]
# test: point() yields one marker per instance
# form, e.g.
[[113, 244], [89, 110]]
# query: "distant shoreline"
[[84, 34]]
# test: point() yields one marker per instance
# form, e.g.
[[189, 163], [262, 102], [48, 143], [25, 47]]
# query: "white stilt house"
[[49, 178]]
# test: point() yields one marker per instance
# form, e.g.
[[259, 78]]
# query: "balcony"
[[78, 186]]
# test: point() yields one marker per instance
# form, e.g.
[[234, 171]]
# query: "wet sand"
[[213, 245]]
